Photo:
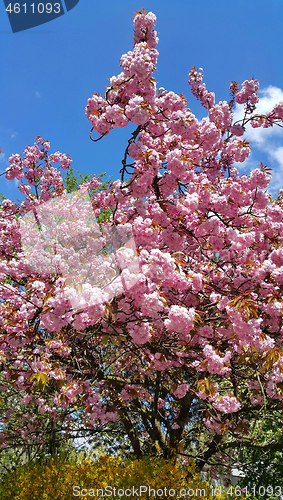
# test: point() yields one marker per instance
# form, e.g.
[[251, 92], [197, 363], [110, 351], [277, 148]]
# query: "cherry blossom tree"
[[164, 316]]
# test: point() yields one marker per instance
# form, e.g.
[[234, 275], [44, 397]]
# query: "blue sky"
[[48, 72]]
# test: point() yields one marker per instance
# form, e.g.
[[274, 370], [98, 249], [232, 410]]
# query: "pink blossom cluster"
[[216, 363], [181, 390], [144, 24], [220, 114], [64, 159], [140, 333], [198, 88], [15, 171], [180, 319], [227, 404], [139, 62], [131, 93], [248, 92], [237, 130], [49, 176]]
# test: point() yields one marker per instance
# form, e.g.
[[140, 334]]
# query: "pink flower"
[[227, 404], [140, 333], [248, 92], [237, 130], [181, 391], [180, 319], [27, 399]]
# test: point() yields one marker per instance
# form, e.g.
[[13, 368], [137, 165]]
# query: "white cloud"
[[278, 155], [277, 172], [267, 142], [269, 97], [37, 95]]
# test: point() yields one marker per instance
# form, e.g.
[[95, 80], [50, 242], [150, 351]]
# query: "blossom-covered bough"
[[165, 317]]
